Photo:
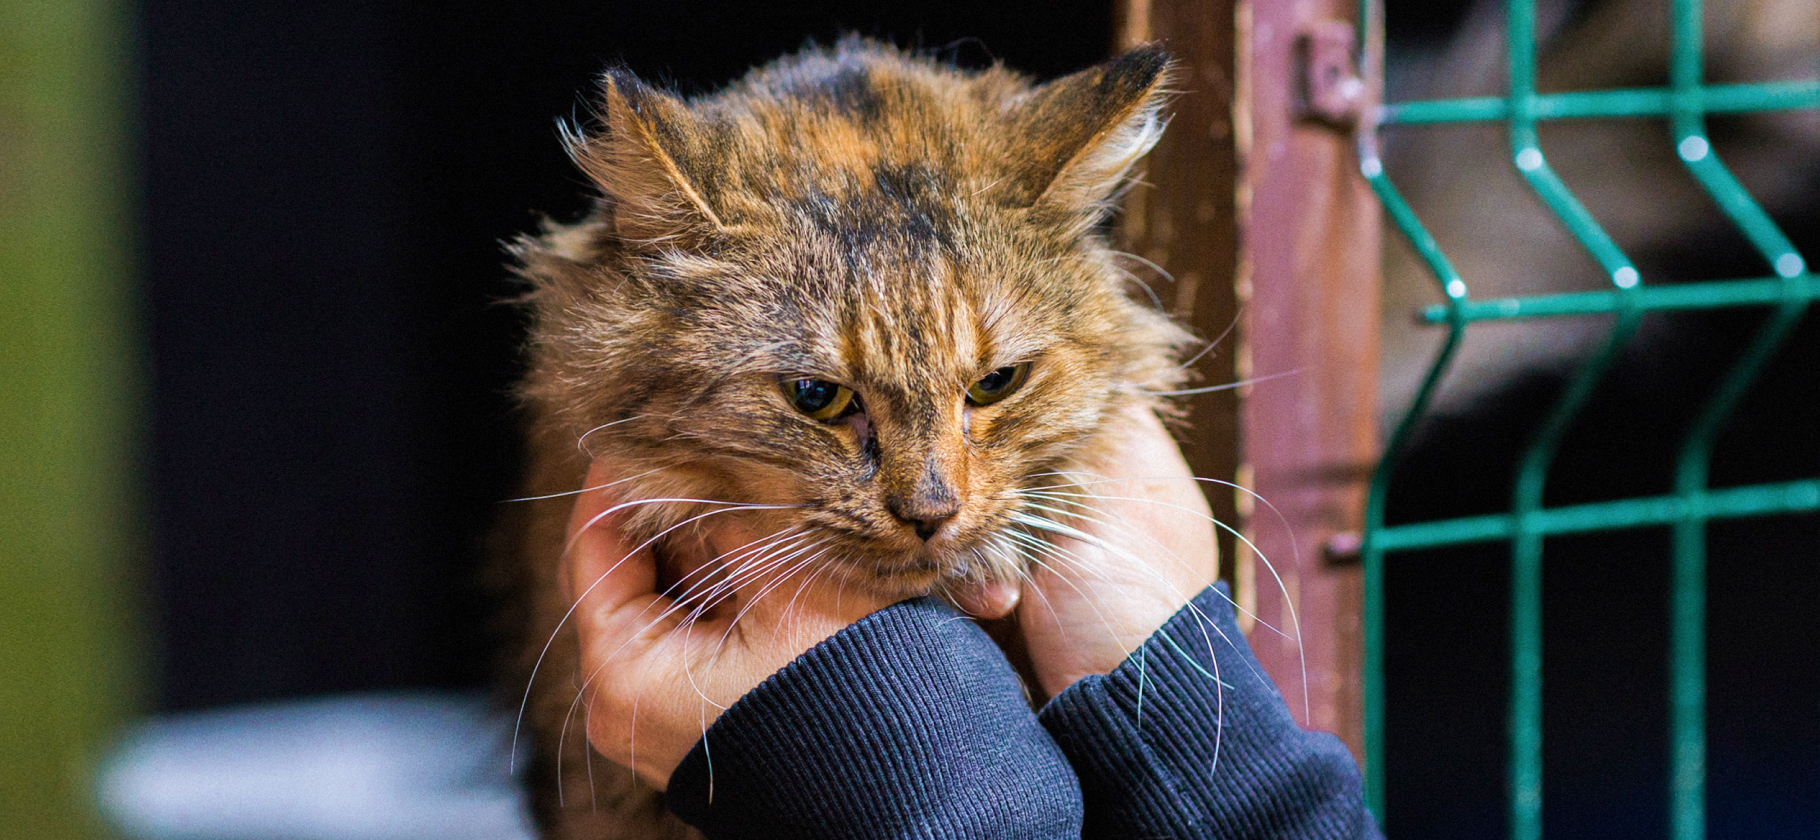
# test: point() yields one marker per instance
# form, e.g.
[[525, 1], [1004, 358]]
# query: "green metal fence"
[[1788, 291]]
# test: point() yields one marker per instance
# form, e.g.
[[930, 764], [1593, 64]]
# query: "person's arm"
[[910, 723], [1120, 640], [1189, 738]]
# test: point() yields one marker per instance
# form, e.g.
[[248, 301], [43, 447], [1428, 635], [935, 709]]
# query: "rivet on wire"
[[1625, 277], [1530, 159], [1694, 148], [1790, 264]]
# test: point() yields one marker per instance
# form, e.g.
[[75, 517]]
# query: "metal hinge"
[[1331, 88]]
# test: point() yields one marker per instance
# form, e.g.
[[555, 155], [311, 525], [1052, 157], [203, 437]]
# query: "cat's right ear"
[[1075, 139], [640, 163]]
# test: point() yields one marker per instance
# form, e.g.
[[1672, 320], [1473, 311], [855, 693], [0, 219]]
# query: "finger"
[[599, 565], [1164, 501], [987, 599], [1152, 453]]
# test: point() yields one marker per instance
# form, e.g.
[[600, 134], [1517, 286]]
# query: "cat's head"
[[858, 283]]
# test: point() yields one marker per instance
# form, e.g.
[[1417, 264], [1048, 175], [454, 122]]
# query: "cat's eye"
[[998, 384], [819, 398]]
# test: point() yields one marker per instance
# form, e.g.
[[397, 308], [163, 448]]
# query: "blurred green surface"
[[69, 391]]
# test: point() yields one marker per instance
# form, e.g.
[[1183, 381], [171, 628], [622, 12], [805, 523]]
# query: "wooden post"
[[1181, 225], [1259, 212]]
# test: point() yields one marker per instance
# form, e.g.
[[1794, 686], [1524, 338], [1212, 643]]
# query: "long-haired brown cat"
[[860, 295]]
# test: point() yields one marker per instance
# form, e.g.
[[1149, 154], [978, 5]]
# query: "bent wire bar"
[[1790, 292]]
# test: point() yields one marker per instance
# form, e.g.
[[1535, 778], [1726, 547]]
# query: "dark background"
[[325, 189]]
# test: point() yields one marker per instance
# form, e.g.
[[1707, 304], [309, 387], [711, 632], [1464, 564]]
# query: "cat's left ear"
[[1076, 138], [641, 163]]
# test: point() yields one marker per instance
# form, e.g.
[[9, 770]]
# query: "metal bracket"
[[1331, 88], [1344, 549]]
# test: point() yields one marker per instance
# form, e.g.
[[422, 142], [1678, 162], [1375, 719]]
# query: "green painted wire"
[[1687, 637], [1604, 104], [1687, 646], [1525, 712], [1371, 554], [1688, 120], [1789, 497], [1715, 294]]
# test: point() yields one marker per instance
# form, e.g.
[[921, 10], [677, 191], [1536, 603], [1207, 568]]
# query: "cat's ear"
[[1076, 138], [639, 163]]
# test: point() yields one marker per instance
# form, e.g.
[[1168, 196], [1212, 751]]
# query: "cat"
[[857, 282]]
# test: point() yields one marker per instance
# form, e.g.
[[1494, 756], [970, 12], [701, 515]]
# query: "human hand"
[[1143, 549], [658, 673]]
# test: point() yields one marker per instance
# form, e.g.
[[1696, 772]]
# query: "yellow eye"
[[819, 398], [998, 384]]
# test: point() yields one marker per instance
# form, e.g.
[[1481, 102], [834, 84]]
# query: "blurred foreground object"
[[68, 387], [356, 767]]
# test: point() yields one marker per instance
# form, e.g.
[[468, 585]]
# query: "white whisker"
[[581, 443], [582, 490], [1183, 392]]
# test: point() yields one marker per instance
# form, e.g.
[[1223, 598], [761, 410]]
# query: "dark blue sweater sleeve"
[[1190, 738], [909, 723]]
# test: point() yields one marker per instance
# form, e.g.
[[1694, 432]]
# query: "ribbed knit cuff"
[[1189, 738], [909, 723]]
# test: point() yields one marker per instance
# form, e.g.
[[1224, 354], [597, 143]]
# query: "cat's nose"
[[926, 519], [924, 499]]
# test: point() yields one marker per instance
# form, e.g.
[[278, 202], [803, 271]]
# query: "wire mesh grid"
[[1787, 291]]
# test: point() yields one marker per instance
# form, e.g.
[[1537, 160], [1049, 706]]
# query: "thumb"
[[987, 599], [598, 563]]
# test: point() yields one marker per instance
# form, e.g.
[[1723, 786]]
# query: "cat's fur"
[[856, 214]]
